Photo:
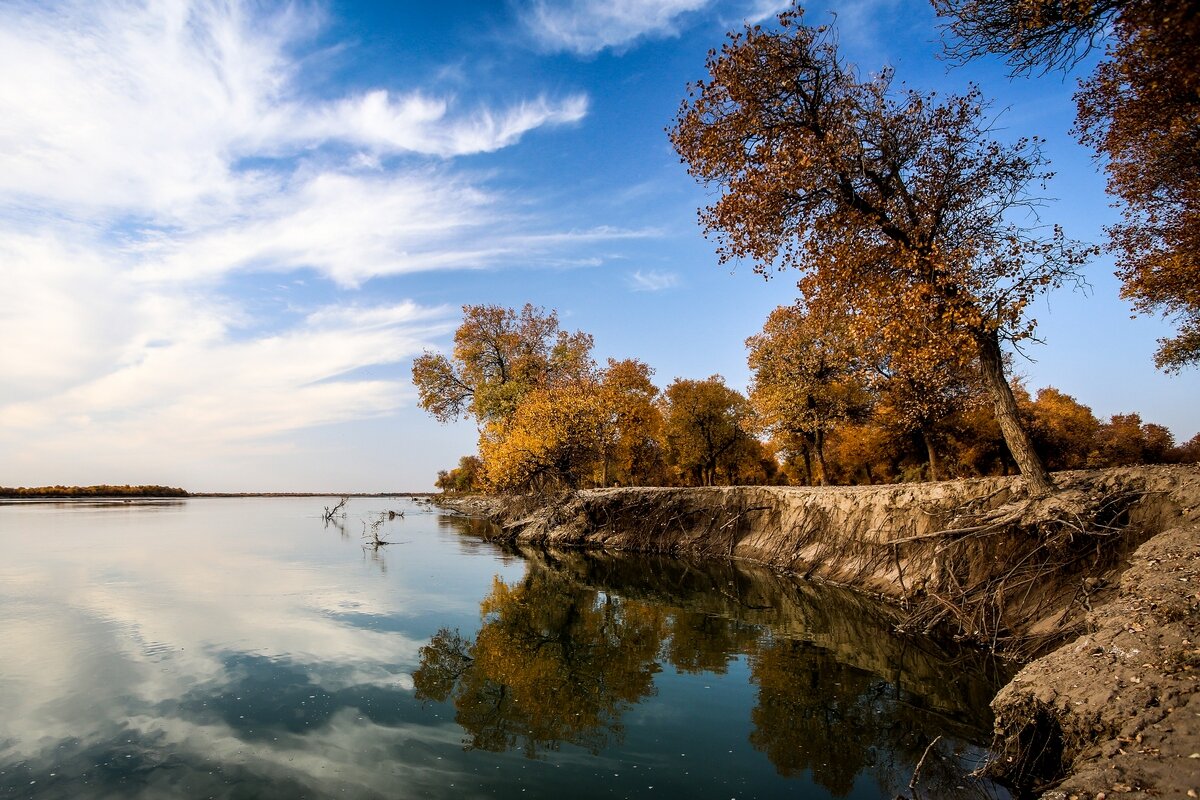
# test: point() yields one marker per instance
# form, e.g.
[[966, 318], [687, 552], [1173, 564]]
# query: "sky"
[[227, 228]]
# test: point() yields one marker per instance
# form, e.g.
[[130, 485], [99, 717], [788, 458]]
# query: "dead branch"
[[912, 784], [331, 513]]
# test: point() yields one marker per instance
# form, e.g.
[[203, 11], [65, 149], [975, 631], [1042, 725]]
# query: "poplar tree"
[[899, 208]]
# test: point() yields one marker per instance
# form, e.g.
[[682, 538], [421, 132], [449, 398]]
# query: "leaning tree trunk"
[[1018, 441], [933, 462]]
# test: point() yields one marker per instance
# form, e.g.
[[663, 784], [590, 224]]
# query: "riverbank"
[[1046, 580]]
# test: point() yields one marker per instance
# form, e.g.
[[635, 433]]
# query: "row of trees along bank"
[[817, 412], [915, 235]]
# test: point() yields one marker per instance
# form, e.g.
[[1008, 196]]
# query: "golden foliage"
[[894, 205], [632, 451], [548, 417], [1140, 111], [499, 356], [555, 436], [704, 422], [807, 380], [466, 477]]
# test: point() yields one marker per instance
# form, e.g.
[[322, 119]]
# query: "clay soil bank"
[[1096, 586]]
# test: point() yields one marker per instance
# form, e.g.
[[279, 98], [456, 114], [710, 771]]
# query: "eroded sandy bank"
[[1100, 581]]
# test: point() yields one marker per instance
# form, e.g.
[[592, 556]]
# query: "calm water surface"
[[241, 648]]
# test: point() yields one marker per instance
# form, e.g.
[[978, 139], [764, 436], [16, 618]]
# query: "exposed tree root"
[[1000, 572]]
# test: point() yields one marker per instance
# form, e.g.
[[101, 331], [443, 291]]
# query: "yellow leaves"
[[706, 430], [552, 663], [499, 355], [554, 434], [804, 369]]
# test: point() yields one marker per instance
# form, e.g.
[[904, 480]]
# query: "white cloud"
[[128, 217], [585, 27], [347, 227], [652, 281], [121, 361], [146, 109], [760, 10], [419, 124], [589, 26]]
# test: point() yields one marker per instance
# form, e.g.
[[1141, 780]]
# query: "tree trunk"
[[819, 438], [807, 465], [933, 462], [1005, 405]]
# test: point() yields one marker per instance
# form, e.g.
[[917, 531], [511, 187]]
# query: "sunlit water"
[[242, 648]]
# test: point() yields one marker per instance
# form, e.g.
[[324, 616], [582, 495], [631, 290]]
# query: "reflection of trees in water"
[[701, 642], [476, 535], [809, 714], [817, 715], [553, 663], [561, 656]]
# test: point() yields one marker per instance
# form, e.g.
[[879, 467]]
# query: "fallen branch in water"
[[330, 513], [912, 784], [373, 533]]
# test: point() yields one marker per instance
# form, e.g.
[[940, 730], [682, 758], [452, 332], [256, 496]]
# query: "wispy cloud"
[[652, 281], [585, 27], [148, 110], [154, 154], [420, 124], [589, 26]]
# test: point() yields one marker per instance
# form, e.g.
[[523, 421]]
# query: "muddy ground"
[[1097, 587]]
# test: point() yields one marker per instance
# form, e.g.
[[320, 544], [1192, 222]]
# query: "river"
[[246, 648]]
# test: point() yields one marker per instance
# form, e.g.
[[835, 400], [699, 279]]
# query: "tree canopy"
[[899, 208], [1139, 110], [499, 356]]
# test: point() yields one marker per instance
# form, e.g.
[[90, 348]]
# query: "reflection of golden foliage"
[[563, 654], [552, 664]]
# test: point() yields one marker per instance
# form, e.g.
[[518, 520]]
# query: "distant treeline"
[[92, 491]]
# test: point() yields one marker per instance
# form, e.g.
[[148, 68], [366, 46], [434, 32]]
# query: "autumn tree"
[[805, 382], [548, 417], [918, 394], [1125, 440], [466, 477], [1188, 452], [499, 356], [1139, 110], [897, 207], [703, 421], [1063, 429], [554, 438], [631, 434]]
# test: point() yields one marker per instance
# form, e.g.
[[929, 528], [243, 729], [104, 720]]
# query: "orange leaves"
[[548, 417], [894, 205], [1140, 111]]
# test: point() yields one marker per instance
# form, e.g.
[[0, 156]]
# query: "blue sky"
[[227, 228]]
